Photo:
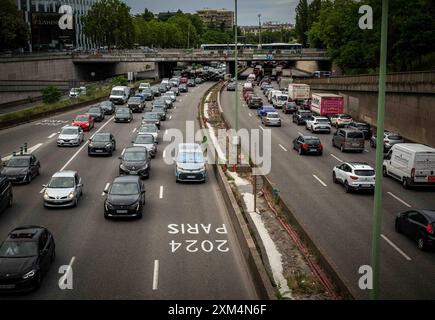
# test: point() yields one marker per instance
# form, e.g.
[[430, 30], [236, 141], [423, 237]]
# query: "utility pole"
[[188, 36], [259, 29], [237, 82], [377, 207]]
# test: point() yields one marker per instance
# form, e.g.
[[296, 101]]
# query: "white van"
[[272, 94], [119, 94], [144, 85], [411, 163], [279, 100]]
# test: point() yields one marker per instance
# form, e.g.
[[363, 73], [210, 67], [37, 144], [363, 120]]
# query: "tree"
[[51, 94], [14, 31], [109, 23], [301, 26], [147, 15]]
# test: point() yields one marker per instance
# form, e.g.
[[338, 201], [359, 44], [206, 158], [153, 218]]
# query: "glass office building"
[[43, 16]]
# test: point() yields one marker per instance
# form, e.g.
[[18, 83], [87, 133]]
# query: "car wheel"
[[75, 202], [334, 178], [397, 227], [342, 148], [300, 151], [29, 178], [421, 243], [405, 183], [346, 187]]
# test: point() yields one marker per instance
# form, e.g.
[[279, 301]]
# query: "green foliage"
[[302, 25], [109, 23], [119, 81], [14, 31], [51, 94]]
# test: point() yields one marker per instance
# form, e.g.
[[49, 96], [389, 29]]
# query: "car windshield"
[[272, 115], [283, 98], [144, 139], [94, 110], [190, 157], [312, 141], [362, 126], [69, 131], [394, 137], [134, 156], [158, 108], [18, 162], [101, 138], [355, 135], [105, 104], [82, 118], [147, 129], [151, 116], [123, 110], [305, 115], [117, 93], [61, 182], [124, 188], [18, 249], [345, 117], [134, 100], [365, 173]]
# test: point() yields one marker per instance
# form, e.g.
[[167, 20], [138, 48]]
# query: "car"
[[308, 144], [355, 176], [102, 143], [167, 100], [266, 87], [125, 198], [175, 90], [123, 115], [70, 136], [148, 94], [135, 161], [156, 91], [279, 100], [21, 168], [271, 119], [84, 121], [120, 94], [231, 86], [143, 86], [190, 163], [149, 129], [198, 80], [340, 120], [261, 112], [161, 110], [136, 104], [163, 88], [255, 102], [183, 87], [171, 95], [306, 104], [25, 257], [7, 196], [97, 113], [64, 189], [348, 139], [390, 139], [151, 118], [183, 80], [290, 107], [419, 225], [318, 124], [362, 126], [147, 141], [191, 83], [107, 106], [300, 117], [77, 92]]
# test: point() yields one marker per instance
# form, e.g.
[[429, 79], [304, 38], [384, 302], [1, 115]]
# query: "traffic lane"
[[312, 161]]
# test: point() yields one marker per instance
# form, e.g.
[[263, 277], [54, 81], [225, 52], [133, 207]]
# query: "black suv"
[[300, 116], [419, 225], [255, 102], [135, 161], [21, 168], [25, 256], [6, 196], [102, 143], [108, 107]]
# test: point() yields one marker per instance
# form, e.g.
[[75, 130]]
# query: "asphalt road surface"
[[340, 224], [129, 259]]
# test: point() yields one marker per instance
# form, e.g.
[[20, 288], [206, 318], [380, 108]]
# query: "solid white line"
[[161, 192], [261, 128], [400, 200], [105, 188], [337, 158], [321, 182], [164, 153], [300, 133], [122, 153], [156, 275], [396, 247], [282, 147], [175, 107], [51, 135], [134, 130], [170, 117], [29, 150], [84, 145], [250, 114]]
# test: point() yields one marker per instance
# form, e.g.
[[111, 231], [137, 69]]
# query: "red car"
[[84, 121], [184, 80]]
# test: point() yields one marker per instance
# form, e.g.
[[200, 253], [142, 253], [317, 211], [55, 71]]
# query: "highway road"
[[339, 223], [129, 259]]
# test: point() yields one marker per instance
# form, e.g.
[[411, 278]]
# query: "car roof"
[[274, 112], [102, 134], [135, 149], [68, 126], [22, 155], [310, 137], [28, 232], [428, 213], [83, 114], [127, 178], [65, 173], [359, 165]]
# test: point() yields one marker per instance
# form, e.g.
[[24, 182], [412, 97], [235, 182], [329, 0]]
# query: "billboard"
[[46, 33]]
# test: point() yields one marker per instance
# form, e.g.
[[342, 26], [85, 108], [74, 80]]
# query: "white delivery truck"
[[411, 163], [284, 82], [119, 94], [298, 92]]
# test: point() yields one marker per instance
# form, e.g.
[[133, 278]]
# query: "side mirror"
[[80, 185], [120, 158], [45, 185], [105, 191]]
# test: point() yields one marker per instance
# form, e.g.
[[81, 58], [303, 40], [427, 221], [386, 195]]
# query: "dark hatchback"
[[108, 107], [308, 144], [97, 113], [126, 198], [255, 102], [6, 194], [290, 107], [102, 144], [151, 117], [123, 115], [419, 225], [183, 87], [148, 94], [362, 126], [135, 161], [21, 168], [301, 116], [25, 257], [136, 104]]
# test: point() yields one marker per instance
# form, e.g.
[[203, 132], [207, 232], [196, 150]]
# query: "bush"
[[119, 81], [51, 94]]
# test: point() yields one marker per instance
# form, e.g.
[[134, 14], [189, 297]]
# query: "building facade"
[[267, 27], [43, 16], [217, 17]]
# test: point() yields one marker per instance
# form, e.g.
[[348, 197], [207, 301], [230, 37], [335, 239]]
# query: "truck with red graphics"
[[325, 104]]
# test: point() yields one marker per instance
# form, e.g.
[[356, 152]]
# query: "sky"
[[248, 10]]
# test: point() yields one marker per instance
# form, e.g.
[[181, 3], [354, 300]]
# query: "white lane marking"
[[336, 158], [400, 200], [318, 179], [175, 107], [166, 132], [365, 150], [261, 128], [300, 133], [396, 247], [29, 150], [68, 271], [85, 144], [161, 192], [282, 147], [134, 130], [170, 117], [250, 115], [52, 135], [42, 190], [156, 275], [105, 188], [122, 153], [164, 153]]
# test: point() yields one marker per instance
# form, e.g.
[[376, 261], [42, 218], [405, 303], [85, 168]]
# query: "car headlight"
[[122, 167], [108, 145], [135, 206], [29, 274], [108, 206], [71, 195], [46, 197]]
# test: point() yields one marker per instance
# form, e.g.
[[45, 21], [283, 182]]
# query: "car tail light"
[[354, 177], [386, 141], [430, 229], [319, 146], [305, 146], [412, 173]]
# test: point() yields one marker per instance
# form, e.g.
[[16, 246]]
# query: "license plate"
[[191, 177], [98, 150], [7, 286], [313, 150], [355, 144], [431, 178], [121, 211]]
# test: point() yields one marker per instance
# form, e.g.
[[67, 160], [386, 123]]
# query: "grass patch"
[[301, 283]]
